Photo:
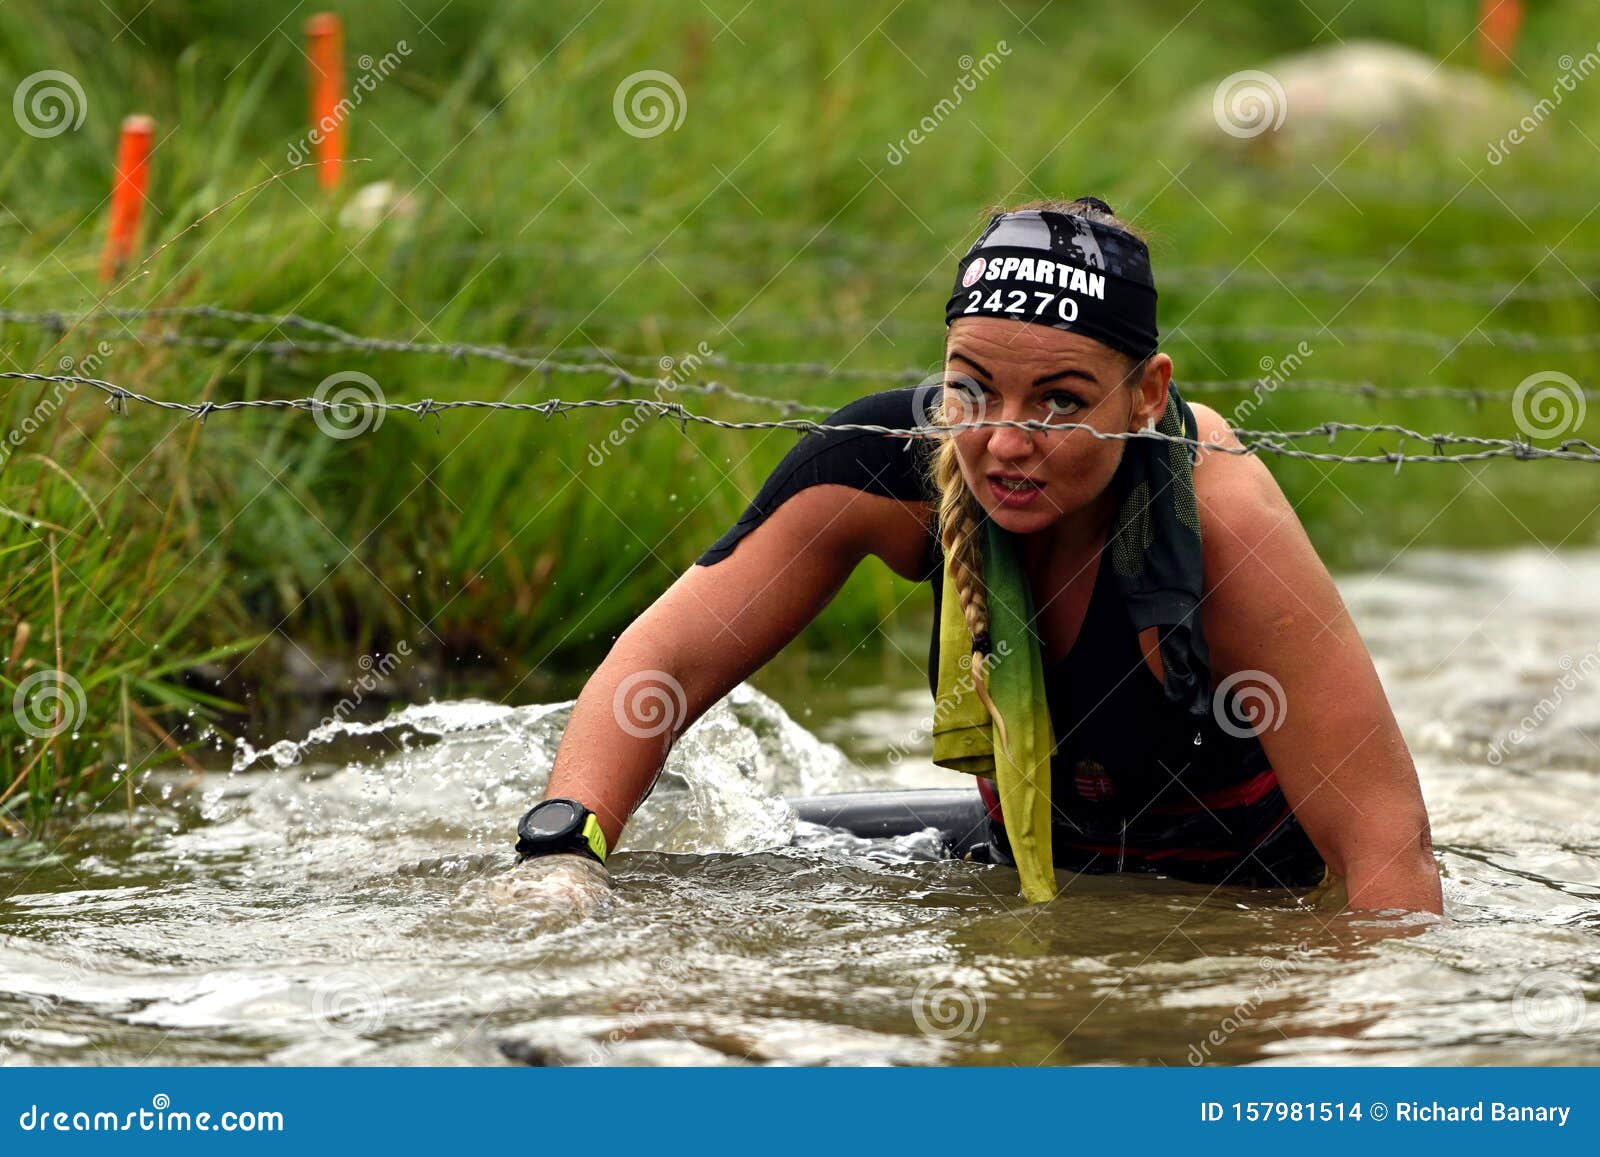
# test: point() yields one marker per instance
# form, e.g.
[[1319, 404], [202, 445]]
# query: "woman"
[[1170, 596]]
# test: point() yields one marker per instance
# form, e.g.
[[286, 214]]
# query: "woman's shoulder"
[[1231, 486], [1252, 540], [901, 408], [867, 459], [870, 461]]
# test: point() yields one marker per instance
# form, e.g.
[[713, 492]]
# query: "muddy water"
[[336, 898]]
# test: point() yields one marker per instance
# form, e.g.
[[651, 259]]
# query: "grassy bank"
[[103, 618], [770, 226]]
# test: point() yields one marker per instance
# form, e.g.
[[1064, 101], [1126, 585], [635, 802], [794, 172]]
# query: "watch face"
[[551, 818]]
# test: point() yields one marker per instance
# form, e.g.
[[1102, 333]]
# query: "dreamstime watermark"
[[349, 404], [42, 412], [1259, 698], [374, 670], [1548, 705], [650, 703], [648, 103], [160, 1117], [1548, 1003], [1548, 404], [49, 702], [972, 71], [667, 981], [948, 398], [1572, 71], [1275, 973], [49, 103], [85, 367], [43, 1007], [1275, 371], [1249, 103], [40, 1010], [674, 371], [965, 684], [89, 364], [943, 1009], [373, 73], [349, 1002]]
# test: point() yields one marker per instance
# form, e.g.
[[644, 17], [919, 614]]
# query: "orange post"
[[1499, 22], [127, 195], [325, 49]]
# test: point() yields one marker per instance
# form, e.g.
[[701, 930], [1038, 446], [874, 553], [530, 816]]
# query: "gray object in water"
[[957, 813]]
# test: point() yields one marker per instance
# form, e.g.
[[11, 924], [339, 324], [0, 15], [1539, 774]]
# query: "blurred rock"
[[372, 205], [1328, 99]]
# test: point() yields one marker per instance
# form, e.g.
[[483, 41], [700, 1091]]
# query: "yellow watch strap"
[[595, 837]]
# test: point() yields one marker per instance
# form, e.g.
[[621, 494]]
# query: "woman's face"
[[1015, 371]]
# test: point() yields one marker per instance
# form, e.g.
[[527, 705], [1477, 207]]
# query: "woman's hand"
[[565, 883]]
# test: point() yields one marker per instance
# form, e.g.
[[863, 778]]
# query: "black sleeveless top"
[[1134, 784]]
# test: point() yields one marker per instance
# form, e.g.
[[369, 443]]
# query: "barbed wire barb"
[[549, 361], [1251, 441]]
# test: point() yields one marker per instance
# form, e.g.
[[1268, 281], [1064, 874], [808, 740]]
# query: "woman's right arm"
[[711, 629]]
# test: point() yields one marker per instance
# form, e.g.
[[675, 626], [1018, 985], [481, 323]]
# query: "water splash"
[[332, 899], [476, 766]]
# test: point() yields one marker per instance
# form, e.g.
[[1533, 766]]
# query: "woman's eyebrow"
[[961, 357], [1072, 373], [1085, 375]]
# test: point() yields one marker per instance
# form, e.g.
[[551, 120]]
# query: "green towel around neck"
[[1156, 559], [964, 737]]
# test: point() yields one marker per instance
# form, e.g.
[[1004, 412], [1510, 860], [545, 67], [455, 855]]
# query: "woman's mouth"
[[1014, 489]]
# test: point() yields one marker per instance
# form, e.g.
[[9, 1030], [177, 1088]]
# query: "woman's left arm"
[[1270, 606]]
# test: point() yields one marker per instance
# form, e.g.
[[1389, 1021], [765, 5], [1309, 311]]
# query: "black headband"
[[1063, 271]]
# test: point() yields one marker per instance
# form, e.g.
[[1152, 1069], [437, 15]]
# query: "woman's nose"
[[1009, 443]]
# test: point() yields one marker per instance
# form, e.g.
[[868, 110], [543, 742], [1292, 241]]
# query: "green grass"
[[86, 666], [768, 226]]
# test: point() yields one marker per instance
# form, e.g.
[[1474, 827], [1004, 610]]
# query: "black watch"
[[560, 825]]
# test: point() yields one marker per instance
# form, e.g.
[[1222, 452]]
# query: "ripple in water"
[[341, 898]]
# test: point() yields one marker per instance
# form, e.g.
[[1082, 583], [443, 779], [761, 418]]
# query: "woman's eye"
[[1059, 404]]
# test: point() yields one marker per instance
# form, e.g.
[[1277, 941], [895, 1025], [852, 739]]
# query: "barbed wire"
[[1377, 335], [1413, 285], [1178, 278], [1276, 442], [786, 323], [339, 340], [1386, 188], [830, 242], [1477, 336]]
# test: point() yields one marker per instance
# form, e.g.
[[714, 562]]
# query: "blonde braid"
[[960, 522]]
